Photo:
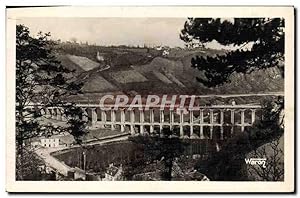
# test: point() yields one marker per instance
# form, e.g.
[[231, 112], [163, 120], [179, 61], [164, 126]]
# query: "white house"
[[50, 142], [159, 48], [99, 57], [62, 140], [233, 102], [165, 52]]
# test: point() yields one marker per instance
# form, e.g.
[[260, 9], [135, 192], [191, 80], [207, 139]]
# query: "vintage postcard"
[[150, 99]]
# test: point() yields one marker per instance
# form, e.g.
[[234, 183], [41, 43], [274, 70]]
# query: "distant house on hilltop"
[[159, 48], [165, 52], [99, 57]]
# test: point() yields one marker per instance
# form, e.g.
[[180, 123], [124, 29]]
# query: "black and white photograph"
[[179, 98]]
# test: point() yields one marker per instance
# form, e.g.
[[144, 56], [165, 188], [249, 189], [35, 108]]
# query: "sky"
[[114, 31], [111, 31]]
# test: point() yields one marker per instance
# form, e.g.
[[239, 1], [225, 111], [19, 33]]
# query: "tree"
[[269, 128], [40, 78], [265, 34], [29, 167], [229, 162], [165, 148], [274, 167]]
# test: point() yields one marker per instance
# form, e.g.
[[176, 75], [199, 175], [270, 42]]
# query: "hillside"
[[140, 71], [114, 56]]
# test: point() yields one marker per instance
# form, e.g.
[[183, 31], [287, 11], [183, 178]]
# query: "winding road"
[[61, 167]]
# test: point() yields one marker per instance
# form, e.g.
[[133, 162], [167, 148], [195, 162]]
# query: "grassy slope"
[[69, 64], [173, 74]]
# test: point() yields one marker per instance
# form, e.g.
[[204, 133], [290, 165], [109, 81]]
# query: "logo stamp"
[[256, 161]]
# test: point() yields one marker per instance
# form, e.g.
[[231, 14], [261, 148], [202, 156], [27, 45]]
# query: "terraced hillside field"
[[155, 74], [83, 62]]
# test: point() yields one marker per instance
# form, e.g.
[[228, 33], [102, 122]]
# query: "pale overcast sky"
[[111, 31], [114, 31]]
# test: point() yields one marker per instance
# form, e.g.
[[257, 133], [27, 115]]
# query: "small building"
[[100, 57], [113, 173], [165, 52], [34, 143], [53, 141], [196, 176], [66, 140], [50, 142], [159, 48], [233, 102]]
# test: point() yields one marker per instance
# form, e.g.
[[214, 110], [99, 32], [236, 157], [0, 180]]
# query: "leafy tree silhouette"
[[229, 163], [165, 148], [266, 35], [40, 78], [274, 167]]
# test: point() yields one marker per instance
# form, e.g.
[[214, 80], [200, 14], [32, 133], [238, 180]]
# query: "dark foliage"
[[266, 35], [228, 164], [274, 167], [270, 127], [41, 81], [76, 126], [165, 148], [267, 38]]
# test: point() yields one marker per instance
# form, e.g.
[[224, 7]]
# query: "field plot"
[[128, 76], [84, 62], [98, 84], [162, 77]]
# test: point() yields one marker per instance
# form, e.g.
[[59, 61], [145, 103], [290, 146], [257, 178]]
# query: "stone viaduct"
[[199, 122]]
